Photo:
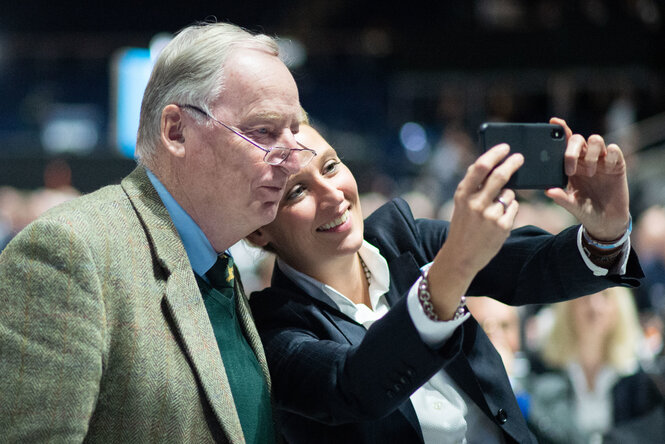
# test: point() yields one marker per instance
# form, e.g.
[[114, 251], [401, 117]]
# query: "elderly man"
[[112, 327]]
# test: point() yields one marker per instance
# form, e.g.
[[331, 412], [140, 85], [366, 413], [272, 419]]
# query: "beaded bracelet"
[[425, 299], [609, 245]]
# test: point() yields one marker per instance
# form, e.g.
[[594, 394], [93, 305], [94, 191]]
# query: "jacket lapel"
[[404, 271], [184, 301], [279, 280], [249, 327]]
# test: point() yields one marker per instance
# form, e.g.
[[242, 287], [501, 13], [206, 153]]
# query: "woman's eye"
[[331, 166], [295, 192]]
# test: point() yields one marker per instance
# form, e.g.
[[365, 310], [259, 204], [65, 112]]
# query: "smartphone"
[[543, 146]]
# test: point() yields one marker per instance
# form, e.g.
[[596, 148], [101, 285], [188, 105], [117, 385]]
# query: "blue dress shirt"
[[199, 250]]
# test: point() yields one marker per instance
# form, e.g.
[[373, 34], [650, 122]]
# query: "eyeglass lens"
[[278, 155]]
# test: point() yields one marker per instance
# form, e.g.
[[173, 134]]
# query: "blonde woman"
[[597, 381], [365, 344]]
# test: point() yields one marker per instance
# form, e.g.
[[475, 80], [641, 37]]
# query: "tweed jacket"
[[104, 336], [335, 381]]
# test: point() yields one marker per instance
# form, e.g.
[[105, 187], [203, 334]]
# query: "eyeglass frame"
[[247, 139]]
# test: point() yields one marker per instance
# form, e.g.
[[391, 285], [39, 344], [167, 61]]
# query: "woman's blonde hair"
[[622, 345]]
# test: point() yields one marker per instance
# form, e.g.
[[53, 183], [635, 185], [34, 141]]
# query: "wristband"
[[425, 299], [609, 245]]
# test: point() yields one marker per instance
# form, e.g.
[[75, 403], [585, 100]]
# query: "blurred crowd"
[[585, 371]]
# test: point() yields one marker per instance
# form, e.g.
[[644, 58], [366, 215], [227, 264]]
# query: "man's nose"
[[292, 163]]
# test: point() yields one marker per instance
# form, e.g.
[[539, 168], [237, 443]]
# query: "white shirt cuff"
[[600, 271], [433, 333]]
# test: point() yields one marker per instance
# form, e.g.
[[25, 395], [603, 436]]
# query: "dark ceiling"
[[427, 34]]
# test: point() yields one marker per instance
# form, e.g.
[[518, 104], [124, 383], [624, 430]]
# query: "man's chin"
[[269, 212]]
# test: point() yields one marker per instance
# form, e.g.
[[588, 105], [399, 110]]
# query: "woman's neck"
[[346, 275], [591, 356]]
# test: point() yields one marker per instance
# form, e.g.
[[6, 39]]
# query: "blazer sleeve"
[[326, 368], [532, 267], [535, 267], [51, 335]]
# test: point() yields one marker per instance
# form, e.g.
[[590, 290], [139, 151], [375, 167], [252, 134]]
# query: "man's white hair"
[[190, 70]]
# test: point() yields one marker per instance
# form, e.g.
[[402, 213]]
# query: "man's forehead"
[[259, 88], [274, 116]]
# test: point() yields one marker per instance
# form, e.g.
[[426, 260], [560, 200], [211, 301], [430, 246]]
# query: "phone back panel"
[[543, 146]]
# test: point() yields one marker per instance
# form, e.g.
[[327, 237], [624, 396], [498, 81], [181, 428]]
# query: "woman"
[[362, 348], [594, 346]]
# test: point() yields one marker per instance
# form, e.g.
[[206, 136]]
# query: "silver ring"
[[503, 203]]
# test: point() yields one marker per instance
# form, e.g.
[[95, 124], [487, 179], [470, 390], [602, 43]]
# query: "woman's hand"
[[597, 192], [482, 218]]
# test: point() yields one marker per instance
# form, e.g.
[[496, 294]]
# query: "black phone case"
[[543, 146]]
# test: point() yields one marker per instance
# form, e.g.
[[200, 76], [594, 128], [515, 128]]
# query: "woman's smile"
[[335, 224]]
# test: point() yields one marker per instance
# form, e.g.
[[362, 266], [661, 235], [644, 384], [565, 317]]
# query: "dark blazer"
[[335, 381]]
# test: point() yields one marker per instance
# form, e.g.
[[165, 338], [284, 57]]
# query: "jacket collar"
[[183, 300]]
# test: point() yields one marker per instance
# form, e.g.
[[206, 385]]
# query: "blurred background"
[[391, 85], [399, 89]]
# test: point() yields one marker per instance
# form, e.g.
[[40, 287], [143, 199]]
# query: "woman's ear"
[[172, 133], [258, 238]]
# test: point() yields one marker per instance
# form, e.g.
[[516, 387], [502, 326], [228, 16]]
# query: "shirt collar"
[[199, 250], [379, 284]]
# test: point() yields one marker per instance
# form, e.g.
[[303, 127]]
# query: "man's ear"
[[172, 130], [258, 238]]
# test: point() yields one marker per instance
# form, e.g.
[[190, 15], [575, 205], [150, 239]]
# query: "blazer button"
[[501, 416]]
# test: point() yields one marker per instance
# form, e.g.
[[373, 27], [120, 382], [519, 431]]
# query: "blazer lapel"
[[249, 327], [279, 280], [404, 271], [184, 301]]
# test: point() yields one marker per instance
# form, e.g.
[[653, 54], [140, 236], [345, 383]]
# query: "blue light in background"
[[414, 140], [132, 68]]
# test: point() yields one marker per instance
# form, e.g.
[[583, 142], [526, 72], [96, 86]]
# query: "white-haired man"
[[112, 328]]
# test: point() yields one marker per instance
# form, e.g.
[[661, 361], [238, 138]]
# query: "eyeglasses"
[[275, 155]]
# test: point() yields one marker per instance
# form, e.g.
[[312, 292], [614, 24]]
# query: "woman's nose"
[[330, 194]]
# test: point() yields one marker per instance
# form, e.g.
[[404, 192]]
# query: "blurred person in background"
[[452, 155], [650, 243], [553, 219], [11, 206], [19, 208], [365, 326], [123, 320], [502, 324], [596, 382]]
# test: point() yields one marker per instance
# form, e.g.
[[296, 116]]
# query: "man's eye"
[[259, 133]]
